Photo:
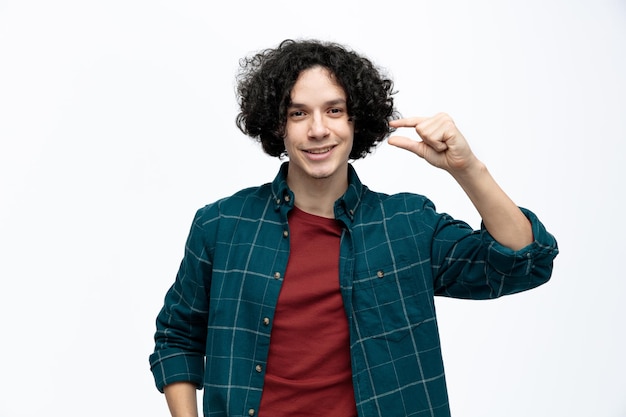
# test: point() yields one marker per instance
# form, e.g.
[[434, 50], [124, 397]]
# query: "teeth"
[[319, 151]]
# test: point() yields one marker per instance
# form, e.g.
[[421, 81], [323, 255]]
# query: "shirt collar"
[[282, 195], [345, 207]]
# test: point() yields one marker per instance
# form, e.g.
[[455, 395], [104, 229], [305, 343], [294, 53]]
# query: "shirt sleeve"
[[182, 322], [475, 266]]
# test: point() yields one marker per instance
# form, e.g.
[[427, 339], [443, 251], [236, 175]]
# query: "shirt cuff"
[[173, 365], [538, 254]]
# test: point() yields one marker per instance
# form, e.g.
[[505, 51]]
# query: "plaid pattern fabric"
[[397, 253]]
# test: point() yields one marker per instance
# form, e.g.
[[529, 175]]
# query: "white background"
[[117, 123]]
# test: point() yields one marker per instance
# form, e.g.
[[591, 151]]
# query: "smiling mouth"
[[319, 151]]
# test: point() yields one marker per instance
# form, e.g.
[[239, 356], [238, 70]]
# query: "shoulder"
[[243, 202], [399, 202]]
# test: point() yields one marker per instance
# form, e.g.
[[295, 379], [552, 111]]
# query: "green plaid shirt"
[[396, 254]]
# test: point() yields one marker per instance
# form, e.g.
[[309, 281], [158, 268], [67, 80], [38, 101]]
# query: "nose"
[[318, 128]]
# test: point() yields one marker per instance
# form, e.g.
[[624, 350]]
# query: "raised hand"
[[442, 144]]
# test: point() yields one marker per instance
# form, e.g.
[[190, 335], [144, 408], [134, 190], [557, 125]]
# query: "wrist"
[[470, 172]]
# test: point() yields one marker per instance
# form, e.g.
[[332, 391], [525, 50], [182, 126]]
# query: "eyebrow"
[[328, 103]]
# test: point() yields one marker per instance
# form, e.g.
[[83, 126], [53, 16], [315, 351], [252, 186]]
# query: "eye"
[[296, 114], [335, 111]]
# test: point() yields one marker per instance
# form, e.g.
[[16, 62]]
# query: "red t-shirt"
[[308, 368]]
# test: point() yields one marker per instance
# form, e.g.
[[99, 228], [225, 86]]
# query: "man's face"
[[319, 133]]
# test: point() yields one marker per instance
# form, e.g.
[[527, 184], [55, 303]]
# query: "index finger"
[[407, 122]]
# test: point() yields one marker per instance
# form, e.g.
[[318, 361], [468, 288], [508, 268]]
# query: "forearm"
[[444, 146], [181, 399], [501, 216]]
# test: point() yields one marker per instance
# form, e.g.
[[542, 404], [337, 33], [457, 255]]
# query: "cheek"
[[348, 131], [343, 128], [292, 132], [290, 140]]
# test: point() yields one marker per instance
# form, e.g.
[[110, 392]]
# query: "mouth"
[[319, 151]]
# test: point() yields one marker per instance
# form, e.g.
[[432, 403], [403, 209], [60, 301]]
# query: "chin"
[[320, 175]]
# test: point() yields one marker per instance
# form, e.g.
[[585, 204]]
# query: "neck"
[[317, 195]]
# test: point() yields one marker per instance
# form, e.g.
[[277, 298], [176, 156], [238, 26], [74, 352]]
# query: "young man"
[[313, 295]]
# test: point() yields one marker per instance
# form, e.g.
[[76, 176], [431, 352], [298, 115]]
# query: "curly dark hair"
[[265, 81]]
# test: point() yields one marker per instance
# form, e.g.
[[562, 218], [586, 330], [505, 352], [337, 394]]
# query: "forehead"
[[317, 82]]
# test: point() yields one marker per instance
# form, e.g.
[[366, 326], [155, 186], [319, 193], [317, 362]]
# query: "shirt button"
[[278, 201], [285, 233], [287, 198], [266, 321], [258, 368], [251, 412], [380, 274], [276, 275]]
